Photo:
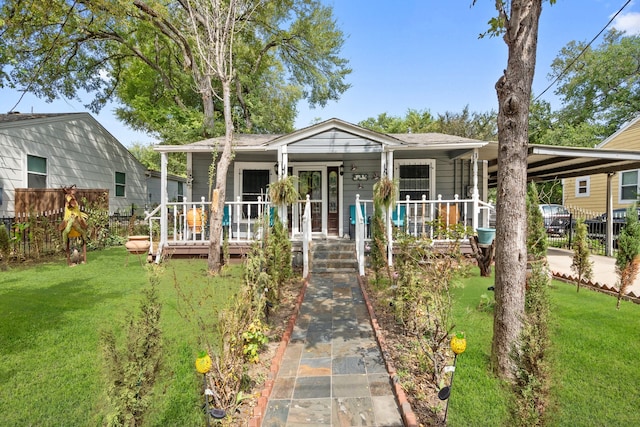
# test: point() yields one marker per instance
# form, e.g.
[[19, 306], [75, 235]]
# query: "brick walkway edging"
[[405, 407], [261, 407]]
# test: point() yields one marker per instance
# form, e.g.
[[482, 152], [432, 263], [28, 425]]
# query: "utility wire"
[[564, 71]]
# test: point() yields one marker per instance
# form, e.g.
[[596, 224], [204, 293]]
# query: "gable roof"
[[623, 128], [329, 131], [15, 116]]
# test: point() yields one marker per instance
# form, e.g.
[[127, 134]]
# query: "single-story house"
[[336, 164], [589, 192], [52, 151]]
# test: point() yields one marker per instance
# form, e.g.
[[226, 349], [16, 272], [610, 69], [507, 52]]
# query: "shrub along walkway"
[[333, 372]]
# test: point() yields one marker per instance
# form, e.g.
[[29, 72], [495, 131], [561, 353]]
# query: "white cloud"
[[628, 23]]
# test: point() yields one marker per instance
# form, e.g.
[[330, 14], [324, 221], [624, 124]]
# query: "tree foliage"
[[465, 123], [143, 54], [599, 89], [601, 85]]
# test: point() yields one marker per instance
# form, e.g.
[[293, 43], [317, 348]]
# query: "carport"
[[549, 162]]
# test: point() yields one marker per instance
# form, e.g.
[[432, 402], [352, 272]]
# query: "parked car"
[[597, 226], [557, 219]]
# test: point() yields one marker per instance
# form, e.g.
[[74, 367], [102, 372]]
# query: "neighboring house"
[[56, 150], [589, 193], [176, 186], [336, 164]]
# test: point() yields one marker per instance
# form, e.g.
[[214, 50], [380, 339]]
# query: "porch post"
[[283, 166], [189, 176], [476, 195], [389, 165], [608, 248], [163, 205]]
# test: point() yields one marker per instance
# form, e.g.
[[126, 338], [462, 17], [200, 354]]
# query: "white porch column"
[[283, 167], [389, 165], [475, 195], [164, 224]]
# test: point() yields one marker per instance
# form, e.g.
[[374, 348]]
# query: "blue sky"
[[417, 54]]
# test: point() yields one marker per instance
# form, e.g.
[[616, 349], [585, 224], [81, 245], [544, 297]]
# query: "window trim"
[[116, 184], [620, 174], [45, 174], [418, 162], [587, 180]]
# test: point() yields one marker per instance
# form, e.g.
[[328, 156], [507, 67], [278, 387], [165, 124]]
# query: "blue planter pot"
[[486, 235]]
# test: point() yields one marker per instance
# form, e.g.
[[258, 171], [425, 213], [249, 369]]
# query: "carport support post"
[[608, 249]]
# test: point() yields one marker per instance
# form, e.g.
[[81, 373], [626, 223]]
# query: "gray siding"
[[78, 151]]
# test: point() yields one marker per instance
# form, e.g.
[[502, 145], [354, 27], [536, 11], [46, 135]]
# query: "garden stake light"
[[458, 345], [203, 365]]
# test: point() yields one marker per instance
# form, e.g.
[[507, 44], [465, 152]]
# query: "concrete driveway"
[[604, 269]]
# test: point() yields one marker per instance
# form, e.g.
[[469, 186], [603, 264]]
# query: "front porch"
[[337, 166], [244, 222]]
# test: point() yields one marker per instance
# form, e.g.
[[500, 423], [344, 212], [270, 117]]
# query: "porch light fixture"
[[376, 176], [342, 169], [275, 167], [360, 186], [353, 167]]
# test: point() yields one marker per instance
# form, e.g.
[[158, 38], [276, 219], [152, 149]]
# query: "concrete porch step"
[[333, 257]]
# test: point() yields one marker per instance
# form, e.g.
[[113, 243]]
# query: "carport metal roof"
[[548, 162]]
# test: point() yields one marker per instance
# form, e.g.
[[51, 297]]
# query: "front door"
[[333, 208], [310, 183]]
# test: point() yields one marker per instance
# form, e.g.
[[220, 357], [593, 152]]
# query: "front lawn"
[[595, 352], [51, 316]]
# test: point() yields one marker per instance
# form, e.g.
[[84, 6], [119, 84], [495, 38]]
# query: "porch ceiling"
[[546, 162]]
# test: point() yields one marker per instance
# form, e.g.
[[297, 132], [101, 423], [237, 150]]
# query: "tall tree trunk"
[[514, 93], [217, 206]]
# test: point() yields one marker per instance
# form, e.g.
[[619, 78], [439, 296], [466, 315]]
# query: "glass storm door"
[[333, 208], [310, 183]]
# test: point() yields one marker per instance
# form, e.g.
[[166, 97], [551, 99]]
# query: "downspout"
[[163, 205]]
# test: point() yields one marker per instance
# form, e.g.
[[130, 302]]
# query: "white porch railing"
[[421, 219], [242, 222]]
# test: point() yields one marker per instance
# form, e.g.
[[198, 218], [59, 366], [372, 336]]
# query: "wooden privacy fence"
[[43, 200]]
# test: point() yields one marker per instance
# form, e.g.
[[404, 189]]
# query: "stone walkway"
[[332, 372]]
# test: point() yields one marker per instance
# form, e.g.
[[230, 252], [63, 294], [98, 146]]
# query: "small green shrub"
[[132, 370], [531, 358], [5, 246], [627, 263], [581, 264]]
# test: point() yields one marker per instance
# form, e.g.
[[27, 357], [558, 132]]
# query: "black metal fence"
[[561, 229], [35, 236]]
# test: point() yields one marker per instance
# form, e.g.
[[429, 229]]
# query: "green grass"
[[51, 316], [595, 352], [51, 371]]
